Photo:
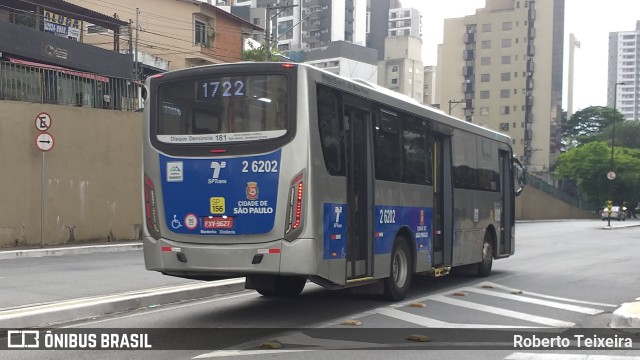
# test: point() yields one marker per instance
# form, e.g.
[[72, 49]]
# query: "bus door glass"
[[359, 192], [507, 204], [438, 203]]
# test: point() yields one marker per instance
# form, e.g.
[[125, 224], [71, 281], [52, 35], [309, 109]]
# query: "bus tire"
[[281, 286], [484, 266], [397, 285]]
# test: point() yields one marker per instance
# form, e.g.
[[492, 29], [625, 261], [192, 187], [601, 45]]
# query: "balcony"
[[469, 38], [468, 54]]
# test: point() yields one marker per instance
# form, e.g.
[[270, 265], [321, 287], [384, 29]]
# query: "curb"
[[12, 254], [620, 226], [627, 316], [42, 315]]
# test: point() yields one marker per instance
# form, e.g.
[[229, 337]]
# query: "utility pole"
[[135, 56], [267, 39]]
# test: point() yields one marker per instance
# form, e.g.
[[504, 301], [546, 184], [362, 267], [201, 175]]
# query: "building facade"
[[311, 25], [348, 60], [180, 33], [402, 69], [624, 73], [505, 64]]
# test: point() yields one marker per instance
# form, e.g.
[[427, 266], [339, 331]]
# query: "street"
[[569, 274]]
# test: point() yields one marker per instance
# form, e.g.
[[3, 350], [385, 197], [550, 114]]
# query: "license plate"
[[218, 223]]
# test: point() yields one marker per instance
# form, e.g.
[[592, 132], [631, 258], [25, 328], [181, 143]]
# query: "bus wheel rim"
[[486, 253], [400, 268]]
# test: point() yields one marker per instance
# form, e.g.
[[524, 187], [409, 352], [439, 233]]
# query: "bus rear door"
[[359, 246]]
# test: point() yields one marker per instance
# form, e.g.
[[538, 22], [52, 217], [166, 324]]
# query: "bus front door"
[[359, 246]]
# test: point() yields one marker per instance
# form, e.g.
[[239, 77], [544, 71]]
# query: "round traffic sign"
[[611, 175], [191, 221], [44, 141], [43, 121]]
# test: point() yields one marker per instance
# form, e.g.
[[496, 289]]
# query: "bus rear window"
[[222, 109]]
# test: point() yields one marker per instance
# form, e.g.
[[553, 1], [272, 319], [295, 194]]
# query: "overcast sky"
[[590, 21]]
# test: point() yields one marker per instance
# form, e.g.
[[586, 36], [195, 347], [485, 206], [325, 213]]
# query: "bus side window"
[[331, 131], [388, 146], [414, 134]]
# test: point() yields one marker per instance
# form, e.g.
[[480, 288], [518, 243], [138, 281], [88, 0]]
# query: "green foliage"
[[585, 125], [627, 134], [259, 53], [588, 165]]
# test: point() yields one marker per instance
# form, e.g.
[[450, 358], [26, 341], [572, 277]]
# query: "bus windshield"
[[222, 109]]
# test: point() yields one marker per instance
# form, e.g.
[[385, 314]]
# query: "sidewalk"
[[44, 287]]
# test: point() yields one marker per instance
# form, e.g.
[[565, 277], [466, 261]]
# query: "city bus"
[[284, 173]]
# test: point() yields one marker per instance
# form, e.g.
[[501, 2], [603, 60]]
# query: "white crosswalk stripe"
[[497, 286], [503, 312], [521, 298]]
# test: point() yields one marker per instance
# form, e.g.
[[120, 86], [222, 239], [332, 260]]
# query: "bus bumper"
[[202, 260]]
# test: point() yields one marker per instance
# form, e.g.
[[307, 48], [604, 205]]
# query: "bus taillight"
[[151, 208], [294, 212]]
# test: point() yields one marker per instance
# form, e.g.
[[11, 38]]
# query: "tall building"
[[378, 14], [311, 25], [505, 64], [624, 59], [402, 69]]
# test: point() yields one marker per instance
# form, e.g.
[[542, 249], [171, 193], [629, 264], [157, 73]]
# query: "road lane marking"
[[503, 312], [428, 322], [497, 286], [553, 304]]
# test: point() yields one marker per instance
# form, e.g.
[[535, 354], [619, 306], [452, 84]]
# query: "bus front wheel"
[[396, 286], [484, 267], [278, 285]]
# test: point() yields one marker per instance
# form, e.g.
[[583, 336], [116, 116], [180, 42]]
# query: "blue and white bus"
[[284, 173]]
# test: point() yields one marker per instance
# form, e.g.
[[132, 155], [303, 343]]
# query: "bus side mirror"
[[520, 174]]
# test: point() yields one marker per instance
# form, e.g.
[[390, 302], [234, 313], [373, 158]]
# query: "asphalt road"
[[564, 275]]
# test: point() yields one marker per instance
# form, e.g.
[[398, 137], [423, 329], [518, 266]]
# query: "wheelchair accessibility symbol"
[[176, 223]]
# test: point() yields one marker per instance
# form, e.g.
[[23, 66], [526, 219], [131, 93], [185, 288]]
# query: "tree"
[[627, 134], [586, 124], [258, 53], [588, 165]]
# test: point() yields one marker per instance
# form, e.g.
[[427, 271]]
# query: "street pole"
[[613, 137], [454, 102], [267, 39]]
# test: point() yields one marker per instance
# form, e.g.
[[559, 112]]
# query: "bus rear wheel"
[[278, 285], [396, 286], [484, 266]]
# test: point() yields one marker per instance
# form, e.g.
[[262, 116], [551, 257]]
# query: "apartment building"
[[505, 63], [430, 93], [301, 26], [346, 59], [176, 33], [624, 74], [402, 69]]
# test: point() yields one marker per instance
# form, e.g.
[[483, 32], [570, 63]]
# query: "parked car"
[[616, 213]]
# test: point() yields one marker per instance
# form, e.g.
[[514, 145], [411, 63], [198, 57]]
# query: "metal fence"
[[56, 85]]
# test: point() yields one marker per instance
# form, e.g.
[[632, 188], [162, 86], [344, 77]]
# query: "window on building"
[[486, 44], [505, 93], [504, 110], [506, 76], [484, 94], [504, 126], [507, 25], [506, 59], [486, 27], [506, 43], [200, 34], [394, 68], [485, 77], [484, 111], [394, 81]]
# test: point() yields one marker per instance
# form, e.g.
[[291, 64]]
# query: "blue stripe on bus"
[[220, 196], [388, 220]]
